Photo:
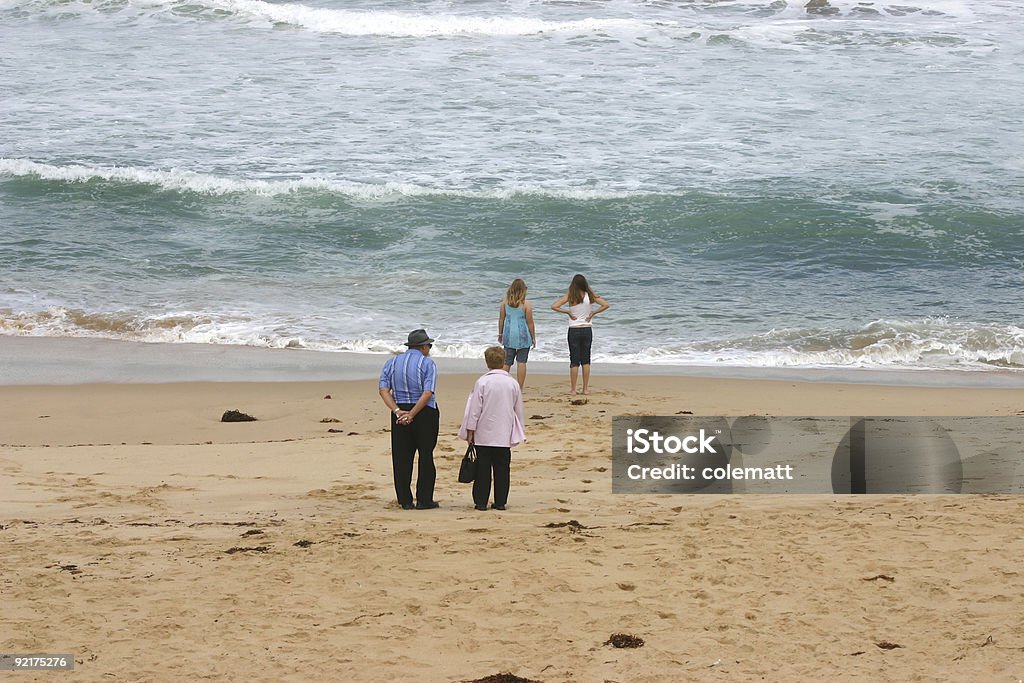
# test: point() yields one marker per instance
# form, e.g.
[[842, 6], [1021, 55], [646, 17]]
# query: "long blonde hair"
[[577, 288], [516, 294]]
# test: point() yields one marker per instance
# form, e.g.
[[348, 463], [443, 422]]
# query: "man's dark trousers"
[[500, 459], [420, 435]]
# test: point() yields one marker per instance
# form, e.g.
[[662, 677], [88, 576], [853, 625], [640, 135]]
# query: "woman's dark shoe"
[[428, 506], [480, 507], [498, 507]]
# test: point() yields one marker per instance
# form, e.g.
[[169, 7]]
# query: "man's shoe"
[[498, 507], [480, 507], [428, 506], [410, 506]]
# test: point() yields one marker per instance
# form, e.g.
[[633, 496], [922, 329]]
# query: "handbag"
[[467, 471]]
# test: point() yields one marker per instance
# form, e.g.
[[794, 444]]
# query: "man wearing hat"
[[407, 385]]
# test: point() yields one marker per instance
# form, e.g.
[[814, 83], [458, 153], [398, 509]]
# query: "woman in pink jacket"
[[493, 422]]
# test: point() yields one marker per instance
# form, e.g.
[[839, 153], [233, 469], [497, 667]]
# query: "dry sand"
[[119, 505]]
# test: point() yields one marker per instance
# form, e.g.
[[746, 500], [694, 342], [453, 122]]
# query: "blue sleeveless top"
[[516, 335]]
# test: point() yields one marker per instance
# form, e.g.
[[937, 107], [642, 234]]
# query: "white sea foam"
[[923, 344], [201, 183], [926, 343], [793, 27], [361, 22], [373, 23], [782, 29], [357, 22], [178, 180]]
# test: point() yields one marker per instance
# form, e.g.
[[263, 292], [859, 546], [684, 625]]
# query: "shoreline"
[[84, 360]]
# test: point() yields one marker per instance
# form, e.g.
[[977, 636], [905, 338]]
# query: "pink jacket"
[[494, 410]]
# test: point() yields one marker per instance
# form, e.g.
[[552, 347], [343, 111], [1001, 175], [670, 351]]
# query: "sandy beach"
[[805, 217], [154, 542]]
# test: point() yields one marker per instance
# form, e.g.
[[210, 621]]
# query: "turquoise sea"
[[749, 183]]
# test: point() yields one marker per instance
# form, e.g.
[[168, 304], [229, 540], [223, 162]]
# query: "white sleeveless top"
[[580, 311]]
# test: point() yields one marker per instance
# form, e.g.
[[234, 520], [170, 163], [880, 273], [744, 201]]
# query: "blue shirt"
[[408, 376], [516, 333]]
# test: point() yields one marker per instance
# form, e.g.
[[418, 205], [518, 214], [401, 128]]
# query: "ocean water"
[[749, 183]]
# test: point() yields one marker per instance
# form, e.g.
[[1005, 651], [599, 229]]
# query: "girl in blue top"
[[515, 328]]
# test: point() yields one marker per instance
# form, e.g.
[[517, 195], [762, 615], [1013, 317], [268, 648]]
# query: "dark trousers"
[[420, 435], [499, 459], [580, 340]]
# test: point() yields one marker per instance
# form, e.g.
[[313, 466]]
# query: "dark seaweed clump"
[[503, 678], [236, 416], [624, 640]]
